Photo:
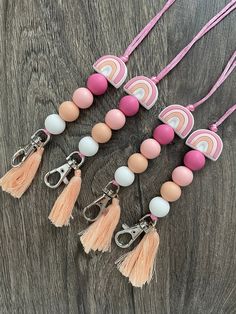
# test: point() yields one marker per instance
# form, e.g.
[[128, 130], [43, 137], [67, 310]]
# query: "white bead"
[[54, 124], [88, 147], [159, 207], [124, 176]]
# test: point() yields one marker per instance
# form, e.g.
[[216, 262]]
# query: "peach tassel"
[[61, 212], [17, 180], [98, 235], [138, 264]]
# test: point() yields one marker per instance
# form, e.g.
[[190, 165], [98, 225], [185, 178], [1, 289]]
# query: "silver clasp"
[[39, 139], [73, 161], [110, 191], [144, 225]]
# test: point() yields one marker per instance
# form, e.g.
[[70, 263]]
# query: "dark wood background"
[[47, 49]]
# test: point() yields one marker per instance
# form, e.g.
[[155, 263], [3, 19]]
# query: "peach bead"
[[82, 97], [137, 163], [68, 111], [170, 191], [115, 119], [150, 148], [101, 133]]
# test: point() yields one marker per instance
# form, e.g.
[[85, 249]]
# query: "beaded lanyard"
[[142, 90], [138, 264], [25, 162]]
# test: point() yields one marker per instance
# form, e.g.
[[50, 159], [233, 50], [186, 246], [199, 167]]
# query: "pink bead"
[[129, 105], [194, 160], [150, 148], [115, 119], [182, 176], [83, 98], [164, 134], [97, 84]]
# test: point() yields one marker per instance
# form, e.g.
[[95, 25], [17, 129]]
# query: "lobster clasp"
[[39, 139], [96, 207], [73, 161]]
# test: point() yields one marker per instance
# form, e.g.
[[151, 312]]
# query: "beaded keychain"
[[177, 119], [138, 264], [25, 162], [142, 91]]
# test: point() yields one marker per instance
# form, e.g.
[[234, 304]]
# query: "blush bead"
[[87, 146], [54, 124], [97, 84], [129, 105], [124, 176], [150, 148], [83, 98], [182, 176], [170, 191], [101, 133], [68, 111], [115, 119], [137, 163], [194, 160], [164, 134], [159, 207]]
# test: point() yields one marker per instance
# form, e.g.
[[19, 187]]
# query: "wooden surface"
[[47, 49]]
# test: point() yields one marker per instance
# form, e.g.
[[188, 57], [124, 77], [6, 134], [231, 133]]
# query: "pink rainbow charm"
[[207, 142], [143, 89], [113, 68], [179, 118]]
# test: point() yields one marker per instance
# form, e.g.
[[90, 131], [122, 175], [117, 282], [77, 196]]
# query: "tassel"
[[17, 180], [61, 212], [98, 235], [138, 264]]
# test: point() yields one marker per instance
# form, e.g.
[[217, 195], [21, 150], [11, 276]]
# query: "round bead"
[[137, 163], [159, 207], [194, 160], [101, 133], [170, 191], [97, 84], [182, 176], [54, 124], [129, 105], [150, 148], [124, 176], [115, 119], [83, 98], [87, 146], [68, 111], [164, 134]]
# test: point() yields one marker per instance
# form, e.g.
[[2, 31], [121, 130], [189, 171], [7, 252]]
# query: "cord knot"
[[190, 108], [124, 58], [213, 128]]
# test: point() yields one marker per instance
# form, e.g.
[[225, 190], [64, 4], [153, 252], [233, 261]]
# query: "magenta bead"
[[164, 134], [150, 148], [83, 98], [194, 160], [97, 84], [129, 105], [115, 119], [182, 176]]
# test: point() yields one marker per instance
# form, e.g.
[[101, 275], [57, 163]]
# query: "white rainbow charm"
[[144, 89], [179, 118], [113, 68], [207, 142]]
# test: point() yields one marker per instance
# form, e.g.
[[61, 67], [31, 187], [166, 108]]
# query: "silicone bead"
[[170, 191], [68, 111], [159, 207], [124, 176], [182, 176], [54, 124], [194, 160], [101, 133], [150, 148], [129, 105], [137, 163], [97, 84], [83, 98], [87, 146], [115, 119], [164, 134]]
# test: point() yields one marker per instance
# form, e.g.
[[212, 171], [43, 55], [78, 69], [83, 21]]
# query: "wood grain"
[[46, 51]]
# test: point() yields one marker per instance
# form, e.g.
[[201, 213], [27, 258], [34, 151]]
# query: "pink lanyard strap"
[[212, 23], [144, 32], [214, 127]]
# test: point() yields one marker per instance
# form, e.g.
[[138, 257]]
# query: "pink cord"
[[214, 126], [144, 32], [213, 22]]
